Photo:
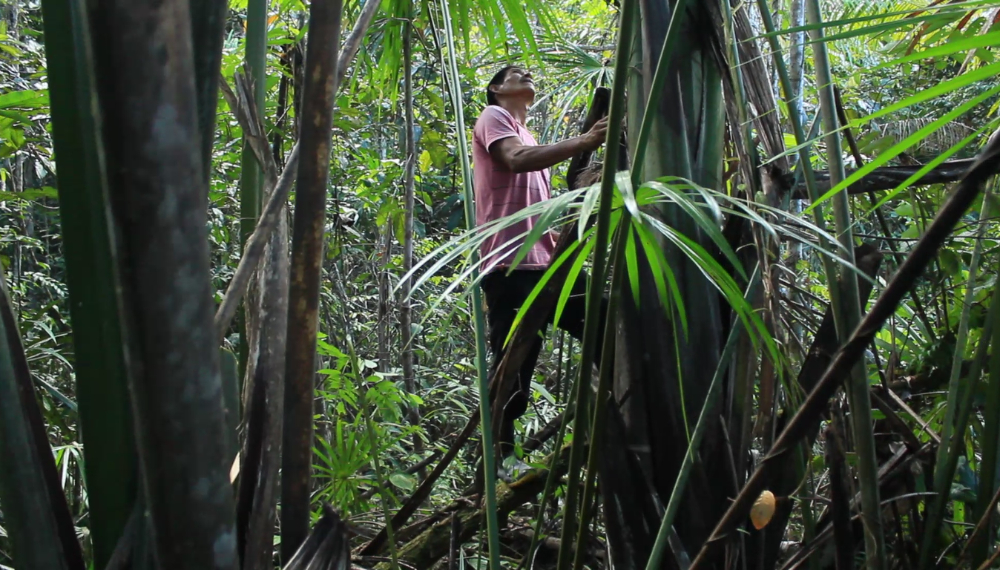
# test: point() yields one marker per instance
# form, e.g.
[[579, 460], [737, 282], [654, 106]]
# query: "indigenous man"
[[512, 173]]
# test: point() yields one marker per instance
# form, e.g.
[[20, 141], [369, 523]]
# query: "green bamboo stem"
[[714, 389], [479, 321], [92, 276], [850, 305], [956, 412], [617, 269], [250, 171], [594, 293], [805, 170], [988, 466], [251, 178]]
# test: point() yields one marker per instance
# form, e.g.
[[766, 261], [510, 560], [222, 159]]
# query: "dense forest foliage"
[[242, 317]]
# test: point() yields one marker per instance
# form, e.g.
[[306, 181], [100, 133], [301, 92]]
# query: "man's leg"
[[504, 296]]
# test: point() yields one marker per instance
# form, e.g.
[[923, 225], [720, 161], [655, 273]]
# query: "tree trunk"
[[405, 306], [662, 379], [306, 263]]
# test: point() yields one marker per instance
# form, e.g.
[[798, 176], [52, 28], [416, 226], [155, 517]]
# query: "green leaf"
[[24, 100], [951, 263], [403, 481], [425, 161], [587, 208]]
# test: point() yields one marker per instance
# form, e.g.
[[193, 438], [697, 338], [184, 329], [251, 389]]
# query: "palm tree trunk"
[[146, 73], [662, 370]]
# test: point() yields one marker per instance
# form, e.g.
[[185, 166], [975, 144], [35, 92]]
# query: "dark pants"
[[504, 296]]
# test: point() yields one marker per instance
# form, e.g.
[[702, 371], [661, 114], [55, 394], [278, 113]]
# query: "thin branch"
[[278, 190], [888, 178]]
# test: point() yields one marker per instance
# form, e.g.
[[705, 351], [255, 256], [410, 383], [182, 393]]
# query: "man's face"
[[518, 83]]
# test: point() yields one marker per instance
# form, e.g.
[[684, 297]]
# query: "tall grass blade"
[[848, 307]]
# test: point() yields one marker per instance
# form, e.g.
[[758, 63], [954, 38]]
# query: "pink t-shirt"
[[500, 193]]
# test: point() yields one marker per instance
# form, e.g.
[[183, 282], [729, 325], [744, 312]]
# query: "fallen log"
[[433, 544]]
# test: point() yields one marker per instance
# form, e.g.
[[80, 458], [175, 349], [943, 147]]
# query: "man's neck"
[[517, 109]]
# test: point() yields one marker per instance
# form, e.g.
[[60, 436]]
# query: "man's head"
[[511, 83]]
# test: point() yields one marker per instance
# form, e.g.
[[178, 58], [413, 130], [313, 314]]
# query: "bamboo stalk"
[[988, 466], [306, 265], [479, 321], [616, 113], [276, 188], [251, 183], [849, 306], [254, 248]]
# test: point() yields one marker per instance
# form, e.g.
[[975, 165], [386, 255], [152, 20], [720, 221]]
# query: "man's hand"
[[596, 135]]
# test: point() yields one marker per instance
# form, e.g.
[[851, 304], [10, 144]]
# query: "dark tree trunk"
[[306, 264], [147, 79]]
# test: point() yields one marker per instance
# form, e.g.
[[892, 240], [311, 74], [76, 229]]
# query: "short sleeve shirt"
[[500, 192]]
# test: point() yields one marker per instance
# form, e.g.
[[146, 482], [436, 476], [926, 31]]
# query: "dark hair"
[[491, 98]]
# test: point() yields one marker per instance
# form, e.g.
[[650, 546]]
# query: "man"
[[512, 173]]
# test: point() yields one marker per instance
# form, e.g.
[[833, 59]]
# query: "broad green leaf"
[[24, 100]]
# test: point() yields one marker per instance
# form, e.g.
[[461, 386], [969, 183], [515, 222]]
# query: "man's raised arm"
[[520, 158]]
